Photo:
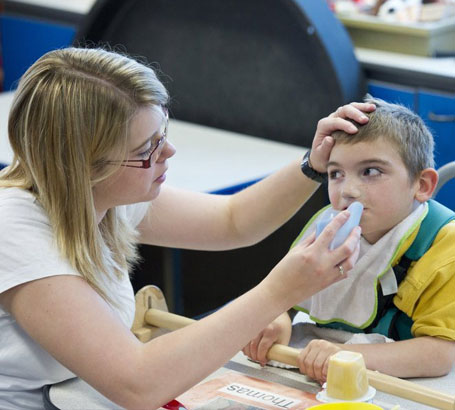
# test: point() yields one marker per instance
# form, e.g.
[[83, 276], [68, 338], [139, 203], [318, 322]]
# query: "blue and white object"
[[355, 210]]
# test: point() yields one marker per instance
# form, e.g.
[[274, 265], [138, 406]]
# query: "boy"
[[403, 292]]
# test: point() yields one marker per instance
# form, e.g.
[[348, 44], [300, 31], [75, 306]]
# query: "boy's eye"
[[334, 174], [372, 172]]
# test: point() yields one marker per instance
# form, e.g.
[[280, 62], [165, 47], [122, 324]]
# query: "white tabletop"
[[207, 159], [75, 394], [441, 67], [74, 6]]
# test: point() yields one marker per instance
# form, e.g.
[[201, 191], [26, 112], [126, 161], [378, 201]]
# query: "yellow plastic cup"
[[346, 406]]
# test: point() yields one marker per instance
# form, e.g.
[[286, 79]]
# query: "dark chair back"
[[446, 184], [267, 68]]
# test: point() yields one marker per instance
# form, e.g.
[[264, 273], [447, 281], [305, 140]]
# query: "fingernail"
[[364, 118], [344, 215], [353, 128]]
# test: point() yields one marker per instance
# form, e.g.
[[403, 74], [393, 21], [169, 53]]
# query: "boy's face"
[[374, 174]]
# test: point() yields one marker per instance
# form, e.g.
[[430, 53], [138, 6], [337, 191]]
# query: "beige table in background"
[[207, 159]]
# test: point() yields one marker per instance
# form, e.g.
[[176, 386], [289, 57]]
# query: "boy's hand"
[[323, 142], [279, 331], [314, 359]]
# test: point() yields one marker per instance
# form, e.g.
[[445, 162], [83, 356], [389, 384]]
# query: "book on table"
[[236, 391]]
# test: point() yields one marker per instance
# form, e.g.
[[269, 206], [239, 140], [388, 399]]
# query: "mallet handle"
[[383, 382], [166, 320], [288, 355]]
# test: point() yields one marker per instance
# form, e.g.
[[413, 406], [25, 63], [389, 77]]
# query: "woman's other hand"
[[338, 120], [311, 266]]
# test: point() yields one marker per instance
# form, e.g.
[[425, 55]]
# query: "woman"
[[89, 132]]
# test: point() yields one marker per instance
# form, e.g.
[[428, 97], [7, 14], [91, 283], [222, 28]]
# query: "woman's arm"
[[76, 326], [216, 222]]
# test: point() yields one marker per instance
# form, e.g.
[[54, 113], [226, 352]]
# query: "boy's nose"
[[351, 190]]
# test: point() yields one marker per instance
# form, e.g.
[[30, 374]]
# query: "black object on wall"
[[267, 68]]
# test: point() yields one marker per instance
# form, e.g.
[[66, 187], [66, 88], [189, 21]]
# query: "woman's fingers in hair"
[[363, 106], [353, 111], [331, 124]]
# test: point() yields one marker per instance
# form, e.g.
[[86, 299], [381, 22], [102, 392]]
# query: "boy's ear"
[[427, 182]]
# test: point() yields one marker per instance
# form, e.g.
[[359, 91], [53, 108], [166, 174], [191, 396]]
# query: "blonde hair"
[[400, 126], [70, 114]]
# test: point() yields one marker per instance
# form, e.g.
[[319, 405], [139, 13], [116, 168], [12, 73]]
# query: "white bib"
[[353, 301]]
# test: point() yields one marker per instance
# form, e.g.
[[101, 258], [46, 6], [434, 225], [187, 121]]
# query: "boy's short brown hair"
[[403, 128]]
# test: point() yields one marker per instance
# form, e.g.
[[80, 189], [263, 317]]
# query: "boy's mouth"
[[347, 206]]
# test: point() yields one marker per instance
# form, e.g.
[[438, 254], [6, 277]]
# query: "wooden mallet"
[[153, 319]]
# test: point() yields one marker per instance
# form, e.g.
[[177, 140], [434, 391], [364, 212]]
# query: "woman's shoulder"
[[18, 204], [10, 196], [134, 213], [28, 250]]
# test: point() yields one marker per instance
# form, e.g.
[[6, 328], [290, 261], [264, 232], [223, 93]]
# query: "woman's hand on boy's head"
[[323, 142], [355, 111]]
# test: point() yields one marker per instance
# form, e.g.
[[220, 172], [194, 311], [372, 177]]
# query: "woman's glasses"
[[155, 150]]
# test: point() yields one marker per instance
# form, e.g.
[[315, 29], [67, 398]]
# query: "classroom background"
[[248, 81]]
